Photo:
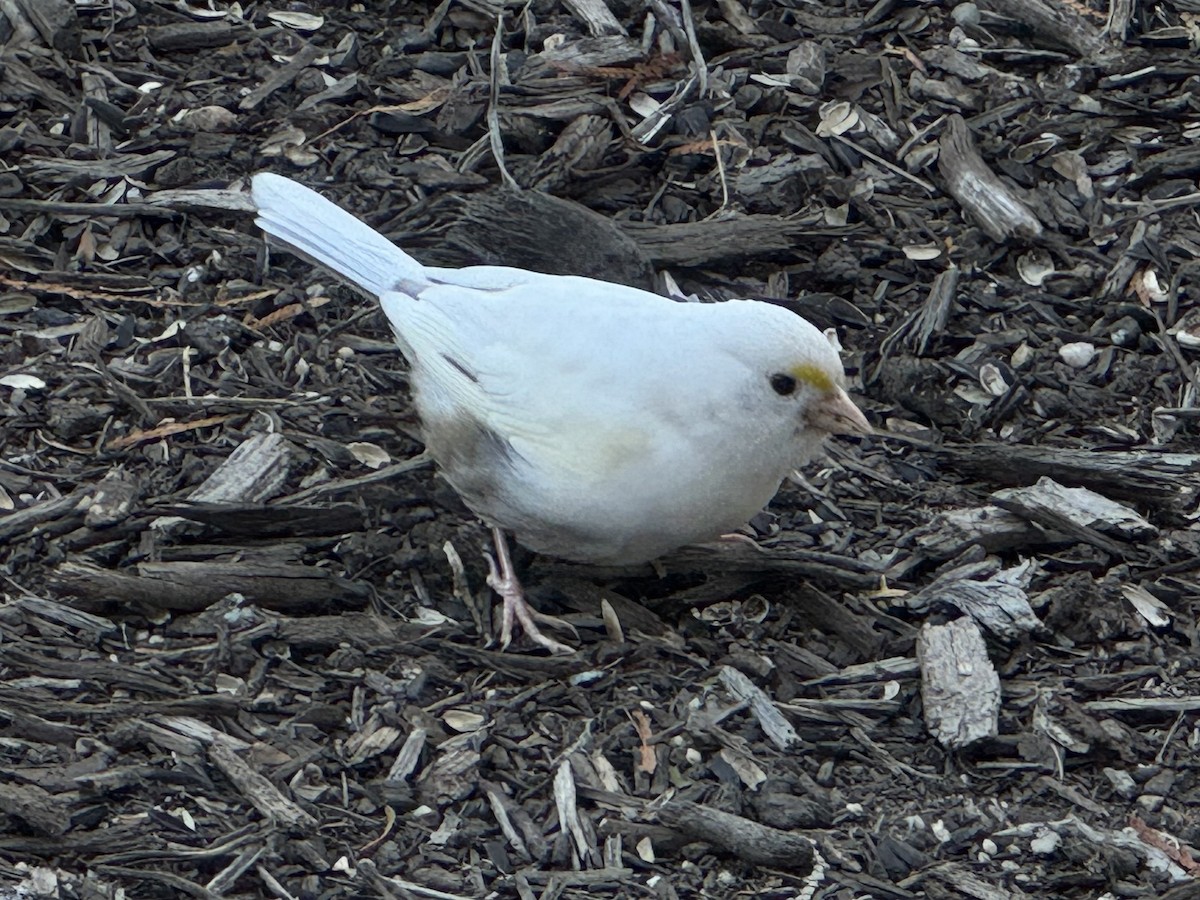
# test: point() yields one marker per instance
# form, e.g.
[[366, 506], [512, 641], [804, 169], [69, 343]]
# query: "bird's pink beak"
[[836, 413]]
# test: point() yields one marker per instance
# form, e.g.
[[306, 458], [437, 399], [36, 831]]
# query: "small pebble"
[[1161, 783], [1046, 842], [1151, 802], [965, 14], [1077, 354], [1125, 332], [209, 118], [1122, 782]]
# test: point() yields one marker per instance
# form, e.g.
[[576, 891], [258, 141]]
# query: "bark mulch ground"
[[245, 645]]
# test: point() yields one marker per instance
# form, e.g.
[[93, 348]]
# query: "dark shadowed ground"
[[244, 645]]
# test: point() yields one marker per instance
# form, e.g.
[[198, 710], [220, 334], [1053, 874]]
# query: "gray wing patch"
[[467, 373]]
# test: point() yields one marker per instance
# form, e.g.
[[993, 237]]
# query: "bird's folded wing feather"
[[537, 367]]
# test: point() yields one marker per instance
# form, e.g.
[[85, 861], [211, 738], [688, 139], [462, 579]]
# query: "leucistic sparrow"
[[593, 421]]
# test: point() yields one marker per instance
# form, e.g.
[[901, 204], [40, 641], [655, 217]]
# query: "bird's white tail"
[[325, 233]]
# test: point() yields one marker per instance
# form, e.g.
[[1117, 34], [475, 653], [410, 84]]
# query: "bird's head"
[[801, 375]]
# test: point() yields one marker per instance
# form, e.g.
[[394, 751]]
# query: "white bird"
[[595, 422]]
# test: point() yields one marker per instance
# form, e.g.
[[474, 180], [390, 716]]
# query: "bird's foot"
[[503, 580]]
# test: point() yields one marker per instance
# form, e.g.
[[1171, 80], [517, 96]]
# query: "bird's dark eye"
[[783, 384]]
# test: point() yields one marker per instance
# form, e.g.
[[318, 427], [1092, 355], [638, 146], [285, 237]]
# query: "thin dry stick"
[[720, 172], [689, 28], [493, 113]]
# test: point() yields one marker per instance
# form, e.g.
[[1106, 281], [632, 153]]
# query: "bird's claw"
[[503, 580]]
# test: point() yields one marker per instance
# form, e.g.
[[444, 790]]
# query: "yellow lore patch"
[[813, 375]]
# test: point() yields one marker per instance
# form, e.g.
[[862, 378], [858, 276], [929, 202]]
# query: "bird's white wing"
[[534, 364]]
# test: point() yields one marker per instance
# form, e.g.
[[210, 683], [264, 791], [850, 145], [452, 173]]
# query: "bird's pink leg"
[[503, 580]]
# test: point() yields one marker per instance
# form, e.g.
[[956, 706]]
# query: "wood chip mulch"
[[245, 645]]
